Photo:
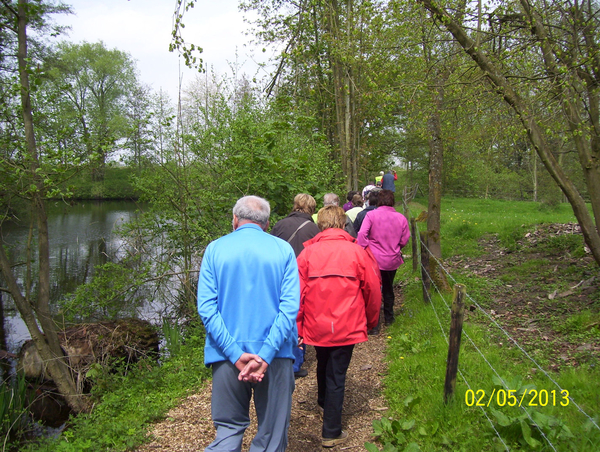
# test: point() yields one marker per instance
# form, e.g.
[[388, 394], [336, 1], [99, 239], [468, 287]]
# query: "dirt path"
[[188, 427]]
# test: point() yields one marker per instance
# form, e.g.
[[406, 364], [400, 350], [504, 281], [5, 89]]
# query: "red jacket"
[[340, 290]]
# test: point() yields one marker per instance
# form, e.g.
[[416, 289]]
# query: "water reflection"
[[81, 237]]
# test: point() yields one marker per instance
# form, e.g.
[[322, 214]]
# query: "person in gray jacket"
[[331, 199]]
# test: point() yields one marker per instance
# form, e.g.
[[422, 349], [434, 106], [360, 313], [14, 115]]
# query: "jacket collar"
[[330, 234], [248, 225], [301, 215]]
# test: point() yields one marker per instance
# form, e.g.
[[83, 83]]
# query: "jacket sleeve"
[[302, 271], [285, 322], [365, 229], [209, 312], [371, 289], [405, 235]]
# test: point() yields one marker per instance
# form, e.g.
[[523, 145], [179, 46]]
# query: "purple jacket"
[[385, 232]]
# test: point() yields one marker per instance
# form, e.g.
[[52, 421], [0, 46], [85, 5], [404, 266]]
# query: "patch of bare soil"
[[541, 287], [188, 427]]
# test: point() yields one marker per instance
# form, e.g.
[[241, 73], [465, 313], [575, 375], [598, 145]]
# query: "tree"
[[566, 61], [226, 143], [95, 85], [138, 115], [27, 163], [336, 63]]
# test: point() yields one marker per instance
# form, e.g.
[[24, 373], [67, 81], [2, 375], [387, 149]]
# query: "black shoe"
[[301, 373], [373, 332]]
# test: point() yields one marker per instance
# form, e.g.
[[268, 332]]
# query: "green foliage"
[[127, 403], [113, 293], [116, 185], [529, 427], [391, 435], [86, 90], [173, 337], [13, 407]]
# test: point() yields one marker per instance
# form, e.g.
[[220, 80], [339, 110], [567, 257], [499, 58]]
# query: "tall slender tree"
[[27, 163]]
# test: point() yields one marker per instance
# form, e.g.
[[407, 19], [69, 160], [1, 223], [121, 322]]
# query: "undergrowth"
[[127, 403]]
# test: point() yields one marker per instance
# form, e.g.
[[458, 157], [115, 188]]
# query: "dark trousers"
[[387, 290], [332, 364]]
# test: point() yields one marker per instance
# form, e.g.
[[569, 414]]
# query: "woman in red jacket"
[[340, 300]]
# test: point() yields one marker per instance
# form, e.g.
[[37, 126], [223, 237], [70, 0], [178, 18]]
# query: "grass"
[[465, 219], [418, 418]]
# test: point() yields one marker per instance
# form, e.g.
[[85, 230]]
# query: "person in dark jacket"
[[297, 228], [371, 205]]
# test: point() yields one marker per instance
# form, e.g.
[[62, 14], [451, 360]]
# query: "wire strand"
[[581, 410]]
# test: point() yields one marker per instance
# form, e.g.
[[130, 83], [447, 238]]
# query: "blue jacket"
[[388, 182], [248, 296]]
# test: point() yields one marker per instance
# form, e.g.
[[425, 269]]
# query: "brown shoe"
[[330, 442]]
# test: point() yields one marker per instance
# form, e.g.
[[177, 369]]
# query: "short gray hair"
[[331, 199], [254, 209]]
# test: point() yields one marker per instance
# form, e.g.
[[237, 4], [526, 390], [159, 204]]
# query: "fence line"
[[487, 362], [512, 340]]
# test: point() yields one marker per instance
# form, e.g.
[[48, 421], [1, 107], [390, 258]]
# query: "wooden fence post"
[[425, 268], [413, 237], [458, 311]]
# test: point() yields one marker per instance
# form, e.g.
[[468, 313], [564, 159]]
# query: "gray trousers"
[[231, 406]]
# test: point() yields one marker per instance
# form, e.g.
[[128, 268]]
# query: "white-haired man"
[[248, 298]]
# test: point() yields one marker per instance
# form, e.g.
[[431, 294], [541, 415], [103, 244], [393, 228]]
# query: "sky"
[[143, 29]]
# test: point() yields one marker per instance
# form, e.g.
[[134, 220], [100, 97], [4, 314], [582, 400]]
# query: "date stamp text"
[[529, 398]]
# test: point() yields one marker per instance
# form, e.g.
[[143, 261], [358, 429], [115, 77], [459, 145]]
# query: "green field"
[[494, 372]]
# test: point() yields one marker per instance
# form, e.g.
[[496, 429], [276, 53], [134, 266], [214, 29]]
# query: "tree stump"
[[85, 345]]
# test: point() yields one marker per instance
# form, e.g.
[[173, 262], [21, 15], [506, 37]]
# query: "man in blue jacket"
[[388, 182], [248, 298]]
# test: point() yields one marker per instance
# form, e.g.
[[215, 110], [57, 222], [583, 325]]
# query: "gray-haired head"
[[331, 199], [254, 209]]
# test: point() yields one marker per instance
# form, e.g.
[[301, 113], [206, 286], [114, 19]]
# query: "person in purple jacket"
[[349, 197], [385, 232]]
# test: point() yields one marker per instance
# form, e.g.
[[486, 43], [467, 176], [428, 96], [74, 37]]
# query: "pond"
[[82, 236]]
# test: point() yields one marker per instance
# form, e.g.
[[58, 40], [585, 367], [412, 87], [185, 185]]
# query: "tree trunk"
[[436, 158], [344, 92], [48, 347]]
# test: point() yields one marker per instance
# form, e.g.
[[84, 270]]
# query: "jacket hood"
[[330, 234]]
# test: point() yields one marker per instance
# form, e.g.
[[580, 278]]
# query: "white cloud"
[[143, 29]]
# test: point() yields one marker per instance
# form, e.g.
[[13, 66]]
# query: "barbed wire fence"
[[442, 296]]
